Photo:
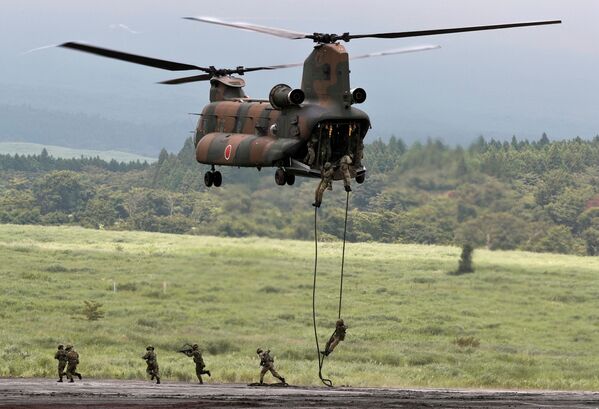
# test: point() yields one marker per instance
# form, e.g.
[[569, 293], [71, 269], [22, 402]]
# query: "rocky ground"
[[48, 394]]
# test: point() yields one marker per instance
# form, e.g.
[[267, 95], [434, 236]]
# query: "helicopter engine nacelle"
[[358, 95], [282, 96]]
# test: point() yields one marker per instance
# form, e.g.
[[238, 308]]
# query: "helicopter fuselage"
[[234, 130]]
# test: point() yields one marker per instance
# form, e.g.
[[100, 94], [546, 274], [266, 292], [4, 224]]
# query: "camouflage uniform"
[[326, 174], [199, 361], [345, 162], [325, 142], [72, 362], [359, 152], [267, 364], [61, 355], [309, 159], [338, 336], [152, 362]]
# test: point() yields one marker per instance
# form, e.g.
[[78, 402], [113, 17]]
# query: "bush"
[[467, 342], [465, 263], [92, 310]]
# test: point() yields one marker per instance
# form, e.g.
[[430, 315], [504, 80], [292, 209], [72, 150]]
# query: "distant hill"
[[25, 148], [83, 131]]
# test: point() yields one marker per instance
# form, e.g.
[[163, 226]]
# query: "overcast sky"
[[497, 83]]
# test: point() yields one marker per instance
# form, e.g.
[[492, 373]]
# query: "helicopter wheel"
[[289, 178], [360, 178], [208, 178], [280, 177], [217, 178]]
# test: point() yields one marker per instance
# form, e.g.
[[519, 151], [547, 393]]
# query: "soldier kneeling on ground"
[[61, 355], [72, 362], [336, 338], [268, 364], [152, 362]]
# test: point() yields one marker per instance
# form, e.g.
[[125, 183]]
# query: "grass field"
[[535, 317], [26, 148]]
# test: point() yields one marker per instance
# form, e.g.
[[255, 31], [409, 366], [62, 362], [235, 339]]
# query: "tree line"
[[532, 195]]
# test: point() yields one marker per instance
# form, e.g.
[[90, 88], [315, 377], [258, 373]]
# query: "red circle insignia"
[[228, 152]]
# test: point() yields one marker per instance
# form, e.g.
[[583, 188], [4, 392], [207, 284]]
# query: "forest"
[[538, 196]]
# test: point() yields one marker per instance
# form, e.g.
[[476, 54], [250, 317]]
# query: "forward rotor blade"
[[404, 50], [279, 32], [451, 30], [137, 59], [194, 78]]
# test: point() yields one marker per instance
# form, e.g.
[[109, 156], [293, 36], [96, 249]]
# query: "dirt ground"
[[48, 394]]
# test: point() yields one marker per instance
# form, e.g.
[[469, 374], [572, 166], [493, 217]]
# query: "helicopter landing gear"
[[213, 177], [360, 178], [282, 177], [289, 178]]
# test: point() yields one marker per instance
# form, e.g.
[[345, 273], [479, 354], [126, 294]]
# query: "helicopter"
[[297, 131]]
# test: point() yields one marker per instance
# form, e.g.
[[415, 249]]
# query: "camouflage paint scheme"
[[234, 130]]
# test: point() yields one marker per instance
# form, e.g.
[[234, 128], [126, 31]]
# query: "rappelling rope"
[[321, 357]]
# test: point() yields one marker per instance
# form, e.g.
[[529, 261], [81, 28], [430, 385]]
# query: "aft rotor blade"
[[194, 78], [451, 30], [279, 32], [403, 50], [137, 59]]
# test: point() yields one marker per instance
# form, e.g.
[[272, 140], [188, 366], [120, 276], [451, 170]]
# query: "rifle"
[[186, 349]]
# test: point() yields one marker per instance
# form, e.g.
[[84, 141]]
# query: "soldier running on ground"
[[268, 364], [338, 336], [152, 362], [326, 174], [345, 162], [72, 362], [61, 355], [199, 361]]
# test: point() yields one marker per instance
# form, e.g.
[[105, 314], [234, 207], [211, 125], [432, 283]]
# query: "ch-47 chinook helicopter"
[[235, 130]]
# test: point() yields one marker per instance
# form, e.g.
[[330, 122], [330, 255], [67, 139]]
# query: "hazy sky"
[[496, 83]]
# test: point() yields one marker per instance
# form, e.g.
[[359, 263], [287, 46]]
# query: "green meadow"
[[522, 320]]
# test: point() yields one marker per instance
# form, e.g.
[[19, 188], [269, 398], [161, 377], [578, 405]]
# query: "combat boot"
[[79, 376], [208, 373], [71, 381], [60, 380], [158, 381]]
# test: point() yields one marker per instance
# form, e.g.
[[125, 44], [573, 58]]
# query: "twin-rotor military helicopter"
[[295, 130]]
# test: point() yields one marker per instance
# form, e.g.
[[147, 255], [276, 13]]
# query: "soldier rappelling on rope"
[[326, 175], [336, 338]]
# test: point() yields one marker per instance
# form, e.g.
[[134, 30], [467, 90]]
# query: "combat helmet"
[[195, 346], [327, 165], [68, 347], [149, 347], [259, 351], [60, 346], [339, 322]]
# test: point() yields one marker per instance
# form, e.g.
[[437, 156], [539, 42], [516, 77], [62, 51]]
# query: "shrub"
[[92, 310], [465, 263], [467, 342]]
